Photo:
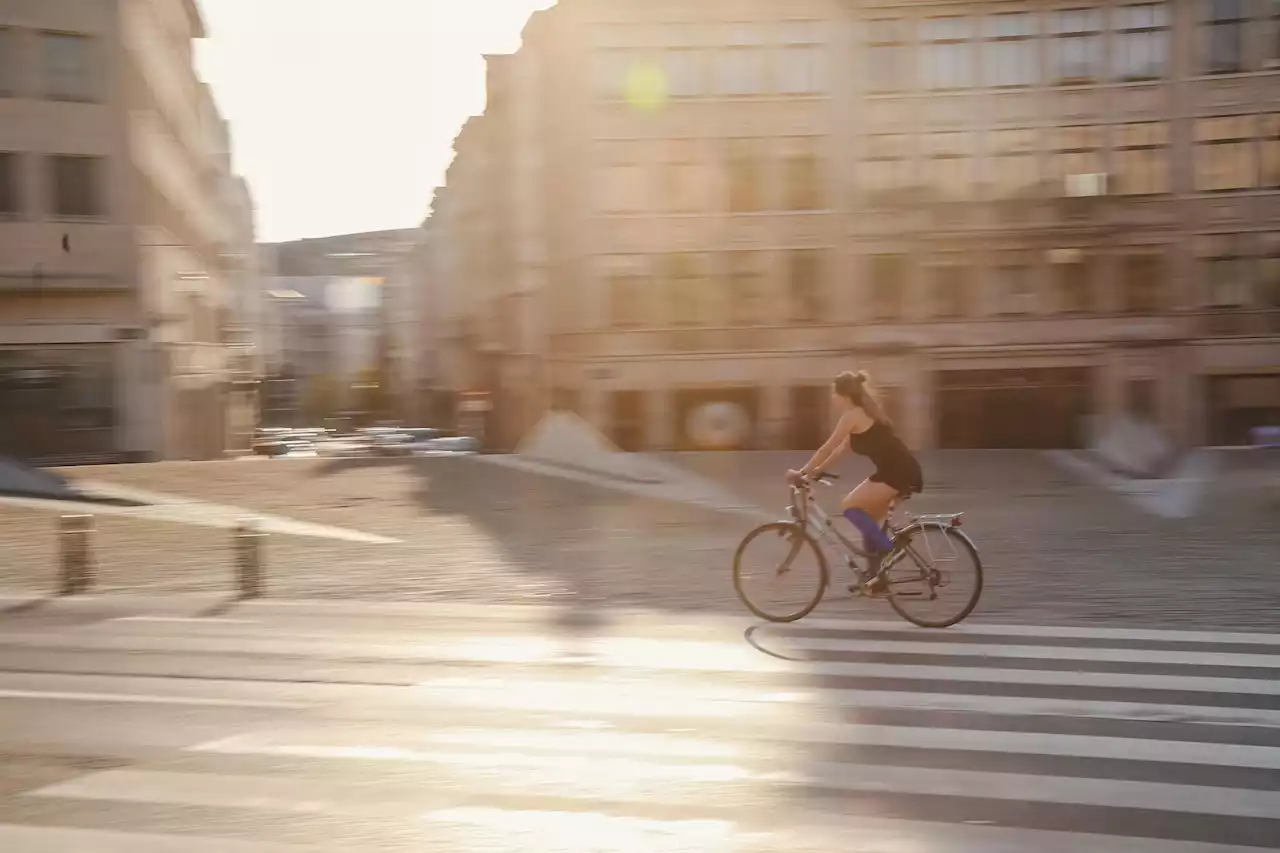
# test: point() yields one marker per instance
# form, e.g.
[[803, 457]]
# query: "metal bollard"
[[75, 534], [248, 545]]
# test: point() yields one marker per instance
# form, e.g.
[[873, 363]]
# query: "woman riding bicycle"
[[866, 430]]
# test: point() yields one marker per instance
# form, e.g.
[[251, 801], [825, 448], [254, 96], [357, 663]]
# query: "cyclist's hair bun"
[[850, 384]]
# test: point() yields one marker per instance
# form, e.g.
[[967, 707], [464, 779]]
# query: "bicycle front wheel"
[[779, 572], [936, 579]]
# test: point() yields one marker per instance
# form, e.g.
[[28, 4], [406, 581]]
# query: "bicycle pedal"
[[869, 589]]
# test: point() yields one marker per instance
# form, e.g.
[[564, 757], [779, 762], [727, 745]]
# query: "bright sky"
[[343, 111]]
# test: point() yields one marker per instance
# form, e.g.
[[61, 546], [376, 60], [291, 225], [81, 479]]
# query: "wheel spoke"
[[761, 569], [924, 605]]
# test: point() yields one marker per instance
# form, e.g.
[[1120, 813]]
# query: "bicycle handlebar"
[[825, 478]]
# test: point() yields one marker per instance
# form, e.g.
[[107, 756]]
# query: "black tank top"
[[880, 444]]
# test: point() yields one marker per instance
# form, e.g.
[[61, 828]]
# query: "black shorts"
[[904, 475]]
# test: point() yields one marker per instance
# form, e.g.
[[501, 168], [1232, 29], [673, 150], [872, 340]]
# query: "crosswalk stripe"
[[672, 655], [583, 697], [1025, 788], [629, 779], [1042, 653], [458, 776], [870, 834], [776, 741], [1048, 632], [1057, 678]]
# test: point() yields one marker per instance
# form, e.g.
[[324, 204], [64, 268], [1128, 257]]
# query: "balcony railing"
[[1239, 323], [883, 335]]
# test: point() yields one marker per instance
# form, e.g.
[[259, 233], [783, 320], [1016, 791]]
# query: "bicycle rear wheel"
[[777, 555], [937, 580]]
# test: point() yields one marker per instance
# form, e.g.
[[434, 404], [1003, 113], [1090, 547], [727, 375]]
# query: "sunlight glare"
[[589, 832]]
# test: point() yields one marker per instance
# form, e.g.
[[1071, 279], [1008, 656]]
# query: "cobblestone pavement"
[[1055, 549]]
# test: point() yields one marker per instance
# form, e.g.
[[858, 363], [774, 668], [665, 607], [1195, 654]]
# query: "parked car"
[[420, 441], [271, 441]]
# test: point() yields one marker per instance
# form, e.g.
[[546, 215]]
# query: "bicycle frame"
[[804, 510]]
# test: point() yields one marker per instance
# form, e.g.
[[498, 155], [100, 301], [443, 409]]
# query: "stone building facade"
[[122, 236], [1013, 214]]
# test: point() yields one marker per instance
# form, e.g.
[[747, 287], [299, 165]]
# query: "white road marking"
[[57, 839], [144, 699], [1059, 790], [1057, 632], [1047, 653]]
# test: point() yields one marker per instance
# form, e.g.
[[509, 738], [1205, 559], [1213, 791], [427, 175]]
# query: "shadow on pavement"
[[35, 605], [585, 546]]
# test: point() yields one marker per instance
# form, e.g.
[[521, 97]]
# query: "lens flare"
[[646, 87]]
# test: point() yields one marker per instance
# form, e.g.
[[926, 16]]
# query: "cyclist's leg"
[[866, 507]]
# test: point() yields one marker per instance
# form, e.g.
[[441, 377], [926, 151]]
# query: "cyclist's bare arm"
[[834, 447]]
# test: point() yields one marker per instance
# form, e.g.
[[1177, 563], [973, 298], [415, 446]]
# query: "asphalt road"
[[161, 725]]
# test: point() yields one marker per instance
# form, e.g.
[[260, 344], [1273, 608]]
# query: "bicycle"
[[810, 527]]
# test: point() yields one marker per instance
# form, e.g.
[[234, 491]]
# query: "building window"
[[947, 53], [1269, 142], [624, 188], [1227, 271], [1076, 55], [1141, 283], [1140, 398], [8, 67], [740, 65], [1224, 153], [1011, 57], [887, 171], [887, 57], [684, 186], [68, 67], [805, 277], [1015, 164], [746, 288], [740, 71], [952, 289], [747, 191], [77, 186], [685, 70], [684, 60], [801, 174], [1271, 55], [628, 289], [949, 165], [801, 59], [888, 282], [1142, 42], [687, 289], [1142, 164], [1225, 36], [10, 198], [1269, 271], [1014, 287], [1078, 151], [1073, 274], [611, 69]]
